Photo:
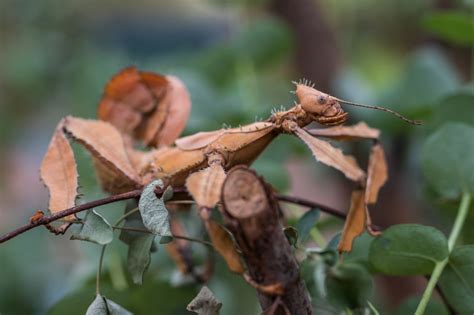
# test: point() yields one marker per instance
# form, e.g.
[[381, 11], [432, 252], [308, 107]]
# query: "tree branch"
[[251, 213]]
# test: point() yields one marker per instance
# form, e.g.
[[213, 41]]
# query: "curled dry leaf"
[[59, 173], [146, 106], [205, 303], [360, 131], [355, 221], [225, 246], [205, 185], [376, 173], [179, 108], [331, 156], [106, 145]]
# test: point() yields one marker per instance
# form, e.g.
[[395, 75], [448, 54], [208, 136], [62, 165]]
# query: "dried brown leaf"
[[359, 131], [355, 221], [106, 145], [146, 106], [178, 110], [205, 186], [59, 173], [331, 156], [127, 98], [377, 173], [225, 246]]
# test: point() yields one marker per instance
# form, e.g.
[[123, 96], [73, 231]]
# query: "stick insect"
[[149, 108]]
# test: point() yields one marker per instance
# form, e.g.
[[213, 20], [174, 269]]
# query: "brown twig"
[[311, 204], [45, 220], [61, 214]]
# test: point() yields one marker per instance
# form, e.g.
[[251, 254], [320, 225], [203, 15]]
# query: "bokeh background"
[[238, 59]]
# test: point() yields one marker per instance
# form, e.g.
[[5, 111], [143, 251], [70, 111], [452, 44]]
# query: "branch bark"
[[251, 213]]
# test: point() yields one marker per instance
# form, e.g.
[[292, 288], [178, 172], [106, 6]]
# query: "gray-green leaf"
[[138, 258], [447, 161], [205, 303], [103, 306], [154, 213], [95, 229], [306, 223], [408, 249], [457, 280]]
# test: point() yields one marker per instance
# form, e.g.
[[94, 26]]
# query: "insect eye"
[[321, 100]]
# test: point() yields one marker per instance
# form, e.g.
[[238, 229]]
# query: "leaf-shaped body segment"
[[59, 173], [205, 186], [106, 145], [331, 156], [238, 146]]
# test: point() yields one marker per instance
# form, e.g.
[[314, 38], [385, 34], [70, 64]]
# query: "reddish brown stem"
[[311, 204]]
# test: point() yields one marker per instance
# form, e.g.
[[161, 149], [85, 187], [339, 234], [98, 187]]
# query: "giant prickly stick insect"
[[144, 107]]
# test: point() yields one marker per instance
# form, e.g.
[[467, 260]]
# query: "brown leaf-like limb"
[[59, 173], [325, 153], [355, 221], [252, 215], [357, 131], [225, 246], [205, 185], [377, 173], [107, 148]]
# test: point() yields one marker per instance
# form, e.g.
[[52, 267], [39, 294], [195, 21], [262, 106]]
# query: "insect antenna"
[[410, 121]]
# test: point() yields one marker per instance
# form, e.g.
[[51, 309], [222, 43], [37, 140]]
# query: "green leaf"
[[205, 303], [360, 250], [457, 280], [349, 285], [138, 258], [140, 245], [291, 235], [453, 26], [154, 213], [408, 249], [103, 306], [95, 229], [457, 107], [447, 162], [306, 223], [332, 244]]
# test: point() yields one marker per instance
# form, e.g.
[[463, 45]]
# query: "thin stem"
[[125, 215], [136, 193], [99, 270], [458, 223], [175, 236], [311, 204], [61, 214]]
